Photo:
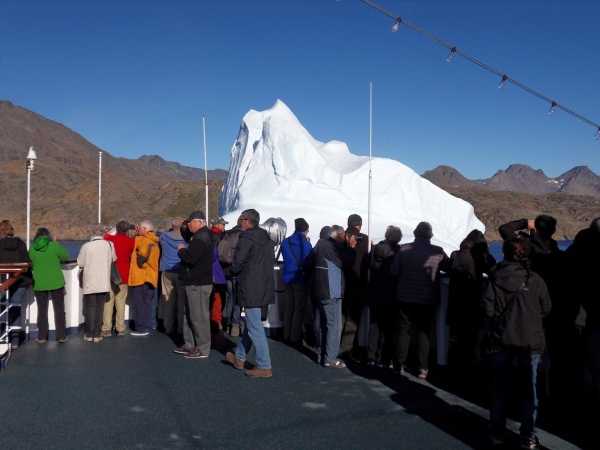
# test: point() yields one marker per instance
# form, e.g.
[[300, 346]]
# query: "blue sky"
[[135, 77]]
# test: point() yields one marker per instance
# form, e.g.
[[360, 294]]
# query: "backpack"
[[227, 247]]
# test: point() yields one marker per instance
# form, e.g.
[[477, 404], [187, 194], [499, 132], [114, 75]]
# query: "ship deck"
[[133, 392]]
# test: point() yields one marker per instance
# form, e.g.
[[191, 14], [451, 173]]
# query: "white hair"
[[335, 231], [147, 225]]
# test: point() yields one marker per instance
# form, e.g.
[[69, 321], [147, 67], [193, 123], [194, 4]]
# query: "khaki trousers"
[[116, 300], [171, 302]]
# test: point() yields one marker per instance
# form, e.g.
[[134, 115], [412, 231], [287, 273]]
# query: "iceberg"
[[279, 169]]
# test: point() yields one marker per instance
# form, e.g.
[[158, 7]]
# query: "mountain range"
[[579, 180], [64, 185]]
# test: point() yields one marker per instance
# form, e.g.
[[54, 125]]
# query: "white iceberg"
[[280, 170]]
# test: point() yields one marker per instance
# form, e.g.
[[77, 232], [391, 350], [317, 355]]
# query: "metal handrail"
[[13, 270]]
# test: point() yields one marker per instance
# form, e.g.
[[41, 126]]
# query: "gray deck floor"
[[133, 392]]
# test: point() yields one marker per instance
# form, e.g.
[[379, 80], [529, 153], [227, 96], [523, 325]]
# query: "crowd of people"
[[193, 282]]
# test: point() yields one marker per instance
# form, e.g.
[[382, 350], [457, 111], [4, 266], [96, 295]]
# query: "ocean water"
[[73, 247], [496, 248]]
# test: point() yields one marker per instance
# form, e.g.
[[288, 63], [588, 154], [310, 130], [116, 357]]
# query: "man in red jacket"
[[124, 246]]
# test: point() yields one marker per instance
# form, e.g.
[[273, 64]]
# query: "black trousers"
[[351, 313], [93, 311], [382, 330], [60, 318], [418, 317]]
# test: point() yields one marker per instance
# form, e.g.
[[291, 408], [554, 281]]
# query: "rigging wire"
[[505, 78]]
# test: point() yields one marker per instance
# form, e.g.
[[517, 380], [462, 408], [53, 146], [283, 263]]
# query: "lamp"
[[31, 157]]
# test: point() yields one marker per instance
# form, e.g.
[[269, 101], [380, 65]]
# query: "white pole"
[[100, 187], [205, 168], [28, 200], [370, 157]]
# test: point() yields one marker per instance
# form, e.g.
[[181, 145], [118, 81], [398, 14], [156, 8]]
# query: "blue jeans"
[[254, 333], [330, 312], [232, 311], [501, 366]]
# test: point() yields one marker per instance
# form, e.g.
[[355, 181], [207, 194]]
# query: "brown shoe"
[[259, 373], [40, 341], [237, 363], [235, 330], [63, 341]]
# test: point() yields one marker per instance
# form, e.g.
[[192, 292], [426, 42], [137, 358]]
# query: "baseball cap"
[[196, 215], [218, 220]]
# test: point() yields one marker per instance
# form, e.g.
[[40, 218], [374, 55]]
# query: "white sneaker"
[[139, 333]]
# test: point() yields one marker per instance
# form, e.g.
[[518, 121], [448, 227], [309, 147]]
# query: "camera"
[[356, 237]]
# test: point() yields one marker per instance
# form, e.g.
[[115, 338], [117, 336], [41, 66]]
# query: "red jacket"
[[124, 246]]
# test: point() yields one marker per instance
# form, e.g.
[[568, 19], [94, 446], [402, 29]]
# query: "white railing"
[[75, 320]]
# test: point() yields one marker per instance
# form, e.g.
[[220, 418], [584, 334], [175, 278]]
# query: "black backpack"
[[227, 247]]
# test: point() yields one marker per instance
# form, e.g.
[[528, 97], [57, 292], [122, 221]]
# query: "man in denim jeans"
[[253, 266], [517, 300], [331, 257]]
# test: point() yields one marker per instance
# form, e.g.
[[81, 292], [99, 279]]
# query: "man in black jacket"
[[356, 281], [253, 264], [196, 273], [331, 257]]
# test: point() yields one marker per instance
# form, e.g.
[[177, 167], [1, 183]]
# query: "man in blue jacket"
[[295, 249], [173, 291]]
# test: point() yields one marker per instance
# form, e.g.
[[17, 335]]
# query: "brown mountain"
[[64, 184], [579, 180], [520, 178], [182, 172], [448, 176]]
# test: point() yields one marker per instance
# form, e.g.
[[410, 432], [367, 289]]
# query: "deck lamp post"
[[31, 157], [99, 187]]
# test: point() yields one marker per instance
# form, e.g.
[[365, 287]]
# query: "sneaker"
[[370, 363], [98, 339], [529, 443], [62, 341], [194, 354], [183, 350], [237, 363], [40, 341], [121, 333], [259, 373], [106, 334], [88, 338], [497, 440], [400, 371], [140, 333], [423, 374], [335, 365]]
